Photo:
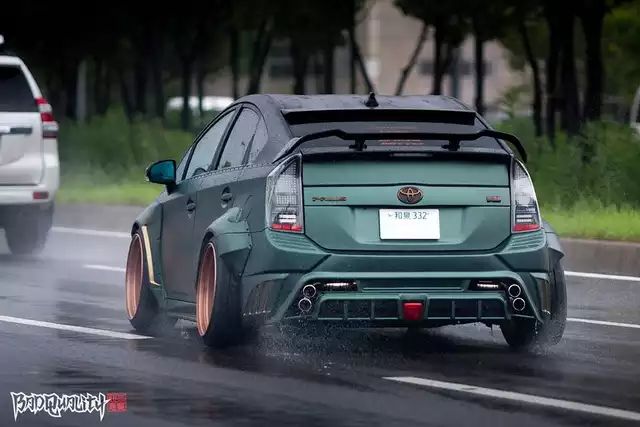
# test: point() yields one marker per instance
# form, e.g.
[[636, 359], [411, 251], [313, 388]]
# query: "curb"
[[596, 256]]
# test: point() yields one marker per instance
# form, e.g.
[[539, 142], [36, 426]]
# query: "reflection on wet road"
[[325, 377]]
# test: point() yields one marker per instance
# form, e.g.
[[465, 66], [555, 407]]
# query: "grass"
[[109, 194], [603, 223], [100, 190]]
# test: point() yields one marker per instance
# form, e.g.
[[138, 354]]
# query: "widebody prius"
[[347, 210]]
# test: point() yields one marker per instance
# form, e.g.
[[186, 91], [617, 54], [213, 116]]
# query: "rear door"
[[220, 191], [21, 143]]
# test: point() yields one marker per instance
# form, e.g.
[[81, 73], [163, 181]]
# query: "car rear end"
[[29, 167], [399, 231]]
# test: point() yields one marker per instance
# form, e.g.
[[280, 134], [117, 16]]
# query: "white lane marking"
[[81, 329], [602, 276], [104, 268], [520, 397], [96, 233], [603, 322]]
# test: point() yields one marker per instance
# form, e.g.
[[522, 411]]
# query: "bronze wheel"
[[206, 289], [134, 276]]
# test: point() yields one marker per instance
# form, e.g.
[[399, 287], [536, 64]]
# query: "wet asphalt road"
[[335, 379]]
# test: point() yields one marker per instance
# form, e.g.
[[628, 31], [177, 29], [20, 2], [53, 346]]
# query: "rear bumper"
[[280, 265], [24, 194]]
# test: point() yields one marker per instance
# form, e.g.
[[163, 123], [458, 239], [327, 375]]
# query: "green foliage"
[[102, 190], [622, 44], [112, 147], [599, 166], [590, 219], [512, 100]]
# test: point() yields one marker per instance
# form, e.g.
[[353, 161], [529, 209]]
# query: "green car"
[[347, 210]]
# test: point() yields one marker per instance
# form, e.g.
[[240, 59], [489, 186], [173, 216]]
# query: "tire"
[[525, 334], [218, 316], [141, 306], [27, 232]]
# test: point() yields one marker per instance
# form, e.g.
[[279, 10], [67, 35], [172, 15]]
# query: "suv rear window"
[[15, 93]]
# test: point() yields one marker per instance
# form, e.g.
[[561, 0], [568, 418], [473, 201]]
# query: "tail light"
[[284, 197], [524, 203], [49, 124]]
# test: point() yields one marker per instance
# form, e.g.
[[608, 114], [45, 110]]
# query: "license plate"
[[409, 224]]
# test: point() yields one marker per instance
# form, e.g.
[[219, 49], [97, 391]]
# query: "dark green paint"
[[341, 239]]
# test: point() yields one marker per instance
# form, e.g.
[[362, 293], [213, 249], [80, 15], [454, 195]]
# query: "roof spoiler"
[[359, 139], [460, 117]]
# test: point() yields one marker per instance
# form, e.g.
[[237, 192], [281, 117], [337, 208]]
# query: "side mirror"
[[162, 172]]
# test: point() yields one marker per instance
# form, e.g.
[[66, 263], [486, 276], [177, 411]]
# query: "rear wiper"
[[454, 138]]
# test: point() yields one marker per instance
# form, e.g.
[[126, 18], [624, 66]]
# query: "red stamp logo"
[[117, 402]]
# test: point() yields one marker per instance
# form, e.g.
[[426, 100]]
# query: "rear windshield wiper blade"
[[454, 138]]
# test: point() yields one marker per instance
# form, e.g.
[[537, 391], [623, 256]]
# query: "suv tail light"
[[524, 203], [49, 124], [284, 197]]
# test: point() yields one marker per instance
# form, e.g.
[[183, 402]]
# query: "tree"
[[413, 59], [592, 15], [571, 118], [621, 45], [450, 28], [313, 29], [488, 21], [521, 14]]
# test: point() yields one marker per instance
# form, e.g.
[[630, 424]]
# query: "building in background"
[[387, 38]]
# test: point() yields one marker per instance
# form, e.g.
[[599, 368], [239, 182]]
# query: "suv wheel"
[[27, 232], [526, 334]]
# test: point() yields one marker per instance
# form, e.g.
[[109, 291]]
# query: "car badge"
[[410, 195]]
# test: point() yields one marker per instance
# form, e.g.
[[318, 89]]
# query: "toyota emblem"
[[410, 195]]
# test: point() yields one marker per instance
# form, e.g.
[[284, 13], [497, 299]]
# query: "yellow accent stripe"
[[147, 251]]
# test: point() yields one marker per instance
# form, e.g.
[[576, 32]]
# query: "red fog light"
[[412, 311]]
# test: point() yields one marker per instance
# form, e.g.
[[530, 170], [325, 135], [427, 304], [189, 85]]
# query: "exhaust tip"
[[518, 304], [309, 291], [305, 305], [514, 291]]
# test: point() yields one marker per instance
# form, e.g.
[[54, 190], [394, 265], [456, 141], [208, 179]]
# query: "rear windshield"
[[15, 93], [395, 126]]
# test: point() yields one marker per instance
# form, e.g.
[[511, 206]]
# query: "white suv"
[[29, 167]]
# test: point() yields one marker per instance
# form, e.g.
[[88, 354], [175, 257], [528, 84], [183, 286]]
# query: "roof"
[[345, 102], [10, 60]]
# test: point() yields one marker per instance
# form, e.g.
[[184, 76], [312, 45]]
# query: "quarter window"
[[259, 141], [239, 139]]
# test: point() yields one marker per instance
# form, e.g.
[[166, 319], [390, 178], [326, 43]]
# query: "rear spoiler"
[[359, 139], [459, 117]]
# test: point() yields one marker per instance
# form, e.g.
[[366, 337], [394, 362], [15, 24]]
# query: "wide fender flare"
[[149, 221], [232, 240], [553, 242]]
